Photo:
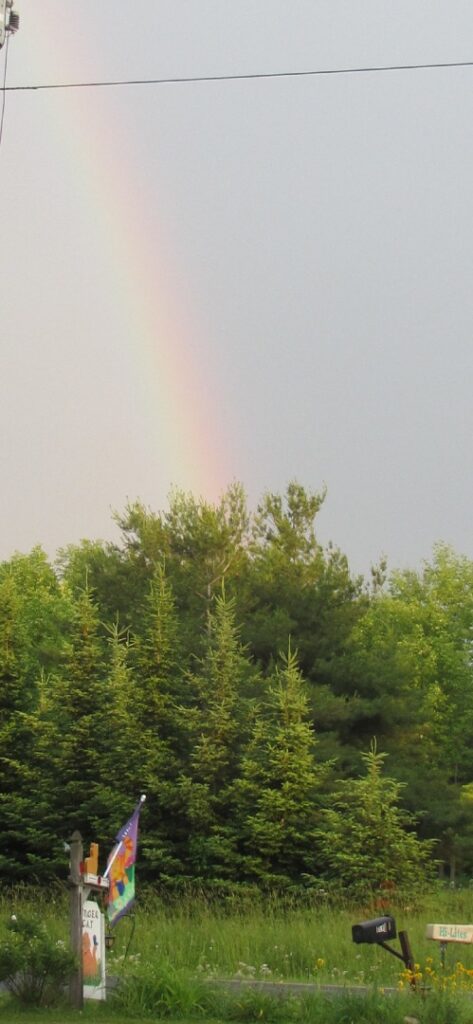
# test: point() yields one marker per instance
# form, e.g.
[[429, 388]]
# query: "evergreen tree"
[[278, 793], [17, 702], [43, 611], [408, 679], [293, 588], [121, 768], [223, 691], [159, 715], [366, 838], [112, 573], [73, 727], [201, 546]]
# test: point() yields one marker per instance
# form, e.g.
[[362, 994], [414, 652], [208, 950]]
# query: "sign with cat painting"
[[93, 951]]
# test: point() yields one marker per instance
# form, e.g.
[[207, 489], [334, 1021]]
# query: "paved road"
[[299, 988]]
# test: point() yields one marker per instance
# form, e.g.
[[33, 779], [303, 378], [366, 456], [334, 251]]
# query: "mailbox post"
[[83, 879], [378, 931], [75, 903]]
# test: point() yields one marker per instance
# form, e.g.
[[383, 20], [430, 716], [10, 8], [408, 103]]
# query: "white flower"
[[264, 969]]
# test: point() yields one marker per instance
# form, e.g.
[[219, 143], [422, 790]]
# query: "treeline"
[[231, 668]]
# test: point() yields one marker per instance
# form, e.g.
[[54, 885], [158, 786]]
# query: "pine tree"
[[367, 839], [121, 763], [74, 726], [223, 697], [277, 796], [17, 702], [159, 717]]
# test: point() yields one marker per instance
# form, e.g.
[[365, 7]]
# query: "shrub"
[[34, 967], [161, 991]]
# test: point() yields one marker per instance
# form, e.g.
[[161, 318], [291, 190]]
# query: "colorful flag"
[[121, 868]]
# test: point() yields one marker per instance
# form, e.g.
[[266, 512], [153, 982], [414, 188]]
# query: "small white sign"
[[450, 932], [93, 951], [97, 881]]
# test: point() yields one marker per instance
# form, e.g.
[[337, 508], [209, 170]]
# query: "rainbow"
[[179, 393]]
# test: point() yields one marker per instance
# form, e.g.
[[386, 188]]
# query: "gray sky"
[[257, 280]]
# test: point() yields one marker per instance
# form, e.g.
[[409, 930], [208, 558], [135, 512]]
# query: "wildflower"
[[319, 963]]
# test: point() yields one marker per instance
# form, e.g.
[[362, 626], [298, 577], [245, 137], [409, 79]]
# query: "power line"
[[187, 80]]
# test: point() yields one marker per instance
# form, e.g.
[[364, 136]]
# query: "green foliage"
[[410, 662], [314, 1009], [74, 737], [17, 700], [201, 546], [220, 722], [365, 839], [150, 727], [154, 665], [277, 792], [161, 991], [34, 967], [292, 588]]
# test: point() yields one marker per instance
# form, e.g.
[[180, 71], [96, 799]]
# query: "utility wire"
[[240, 78], [4, 89]]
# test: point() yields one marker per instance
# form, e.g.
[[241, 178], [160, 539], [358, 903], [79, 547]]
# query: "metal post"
[[76, 989], [407, 955]]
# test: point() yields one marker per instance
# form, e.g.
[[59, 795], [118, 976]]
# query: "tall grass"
[[178, 949], [277, 942]]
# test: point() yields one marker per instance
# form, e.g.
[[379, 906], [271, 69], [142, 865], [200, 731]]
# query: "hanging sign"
[[93, 951]]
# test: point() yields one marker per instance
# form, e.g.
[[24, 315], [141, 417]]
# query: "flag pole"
[[115, 854], [120, 844]]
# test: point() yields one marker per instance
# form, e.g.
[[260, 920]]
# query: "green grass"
[[302, 944], [9, 1014], [354, 1010], [177, 951]]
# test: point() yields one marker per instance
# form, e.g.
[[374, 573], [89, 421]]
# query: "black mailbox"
[[380, 929]]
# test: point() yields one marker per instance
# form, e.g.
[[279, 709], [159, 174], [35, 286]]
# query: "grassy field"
[[301, 944], [316, 1011], [90, 1015], [169, 956]]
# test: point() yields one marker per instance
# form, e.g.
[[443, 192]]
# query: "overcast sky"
[[249, 280]]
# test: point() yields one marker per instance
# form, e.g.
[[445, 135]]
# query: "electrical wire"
[[191, 79], [4, 89]]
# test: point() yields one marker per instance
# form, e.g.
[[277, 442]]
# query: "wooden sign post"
[[81, 882], [76, 989]]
